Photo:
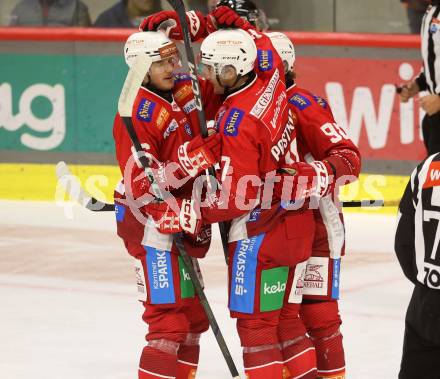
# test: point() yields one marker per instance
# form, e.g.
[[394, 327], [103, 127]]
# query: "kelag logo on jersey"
[[145, 110], [300, 101], [160, 276], [244, 274], [273, 288], [265, 60], [119, 212], [233, 122], [186, 286]]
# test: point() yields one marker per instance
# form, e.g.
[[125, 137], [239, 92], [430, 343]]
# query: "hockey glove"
[[224, 17], [175, 215], [301, 181], [199, 154], [196, 22]]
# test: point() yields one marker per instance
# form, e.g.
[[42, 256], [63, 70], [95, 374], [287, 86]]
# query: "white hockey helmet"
[[229, 47], [284, 47], [154, 44]]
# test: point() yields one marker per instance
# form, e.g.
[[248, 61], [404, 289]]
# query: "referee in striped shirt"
[[428, 79], [417, 248]]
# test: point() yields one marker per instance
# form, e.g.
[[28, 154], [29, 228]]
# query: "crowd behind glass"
[[386, 16]]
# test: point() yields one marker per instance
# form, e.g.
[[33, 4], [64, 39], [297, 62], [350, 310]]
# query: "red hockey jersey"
[[321, 138], [161, 126]]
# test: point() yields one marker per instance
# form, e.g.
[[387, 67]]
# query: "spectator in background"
[[50, 13], [127, 13], [415, 10], [204, 6]]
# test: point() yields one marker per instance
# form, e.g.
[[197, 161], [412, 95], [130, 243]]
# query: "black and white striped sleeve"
[[404, 243]]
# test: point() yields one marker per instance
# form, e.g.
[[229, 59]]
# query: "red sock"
[[156, 364], [188, 360], [330, 356], [263, 364], [299, 359], [323, 321]]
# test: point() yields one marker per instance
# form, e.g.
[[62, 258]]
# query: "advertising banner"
[[362, 95], [63, 103]]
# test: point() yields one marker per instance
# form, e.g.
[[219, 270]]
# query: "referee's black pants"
[[431, 133], [421, 344]]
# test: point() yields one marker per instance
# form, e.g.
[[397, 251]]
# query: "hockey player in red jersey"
[[296, 350], [166, 125], [257, 136], [321, 138]]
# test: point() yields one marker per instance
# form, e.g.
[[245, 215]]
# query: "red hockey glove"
[[224, 17], [175, 215], [196, 22], [303, 180], [199, 154]]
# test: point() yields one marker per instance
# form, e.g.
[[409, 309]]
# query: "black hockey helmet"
[[248, 10]]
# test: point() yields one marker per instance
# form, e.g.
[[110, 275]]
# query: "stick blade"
[[61, 169], [72, 186], [132, 83]]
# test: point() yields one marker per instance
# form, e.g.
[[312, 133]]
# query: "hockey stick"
[[132, 83], [179, 8], [73, 188], [363, 203]]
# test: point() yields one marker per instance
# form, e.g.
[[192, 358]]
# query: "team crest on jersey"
[[265, 60], [433, 176], [233, 122], [299, 101], [321, 101], [162, 118], [145, 110], [181, 78]]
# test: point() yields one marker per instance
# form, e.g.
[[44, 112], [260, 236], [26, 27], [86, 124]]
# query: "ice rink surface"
[[69, 305]]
